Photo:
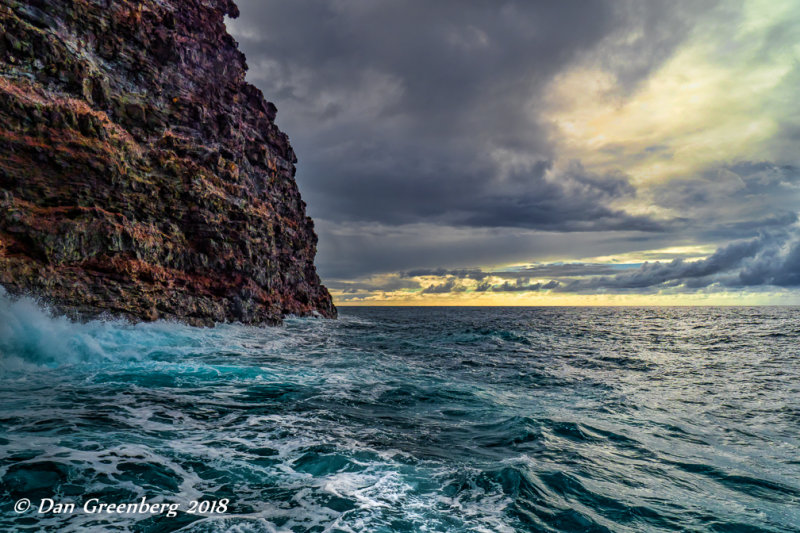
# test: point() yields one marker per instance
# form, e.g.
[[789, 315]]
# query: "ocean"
[[405, 419]]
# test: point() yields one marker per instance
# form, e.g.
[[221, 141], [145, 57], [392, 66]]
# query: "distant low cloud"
[[523, 286], [771, 259], [384, 283], [443, 288], [561, 270], [520, 285], [460, 272], [524, 273]]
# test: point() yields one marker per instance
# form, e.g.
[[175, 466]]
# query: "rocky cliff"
[[140, 175]]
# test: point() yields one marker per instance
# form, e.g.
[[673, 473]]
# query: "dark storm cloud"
[[392, 284], [520, 285], [771, 259], [552, 270], [443, 288], [741, 181], [560, 270], [468, 273], [773, 266], [735, 201], [568, 199], [408, 112], [523, 285], [652, 274]]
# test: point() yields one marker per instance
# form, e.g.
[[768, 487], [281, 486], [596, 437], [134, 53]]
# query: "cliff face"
[[139, 174]]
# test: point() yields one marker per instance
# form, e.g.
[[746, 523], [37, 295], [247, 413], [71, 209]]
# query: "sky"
[[498, 152]]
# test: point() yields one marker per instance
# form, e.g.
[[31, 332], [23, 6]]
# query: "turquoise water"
[[408, 419]]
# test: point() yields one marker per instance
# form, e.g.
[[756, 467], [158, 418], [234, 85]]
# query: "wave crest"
[[32, 334]]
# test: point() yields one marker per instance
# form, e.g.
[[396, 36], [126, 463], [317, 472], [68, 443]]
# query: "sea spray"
[[33, 334], [30, 333]]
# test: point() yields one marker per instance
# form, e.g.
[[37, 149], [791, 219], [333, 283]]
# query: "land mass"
[[140, 175]]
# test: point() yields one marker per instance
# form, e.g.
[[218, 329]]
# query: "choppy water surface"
[[410, 419]]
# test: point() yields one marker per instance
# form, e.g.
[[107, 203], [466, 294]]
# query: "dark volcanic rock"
[[139, 174]]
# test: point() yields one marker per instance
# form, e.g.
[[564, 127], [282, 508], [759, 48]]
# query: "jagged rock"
[[140, 175]]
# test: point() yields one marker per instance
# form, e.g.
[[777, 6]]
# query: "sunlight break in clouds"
[[720, 98]]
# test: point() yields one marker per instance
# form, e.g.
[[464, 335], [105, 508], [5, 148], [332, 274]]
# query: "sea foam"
[[33, 334]]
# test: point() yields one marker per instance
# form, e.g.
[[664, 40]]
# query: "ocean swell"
[[493, 420]]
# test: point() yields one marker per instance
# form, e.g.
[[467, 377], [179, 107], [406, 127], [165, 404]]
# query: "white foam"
[[33, 335]]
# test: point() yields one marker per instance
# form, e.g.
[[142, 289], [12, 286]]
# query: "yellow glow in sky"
[[570, 300], [714, 101]]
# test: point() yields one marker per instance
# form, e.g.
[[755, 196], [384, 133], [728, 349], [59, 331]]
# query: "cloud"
[[747, 189], [517, 287], [399, 118], [352, 251], [468, 273], [459, 137], [483, 286], [771, 259], [545, 270], [524, 286], [443, 288], [541, 195], [777, 265], [732, 201], [382, 283], [452, 285], [559, 270]]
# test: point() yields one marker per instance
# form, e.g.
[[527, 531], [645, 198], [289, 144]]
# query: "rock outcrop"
[[140, 175]]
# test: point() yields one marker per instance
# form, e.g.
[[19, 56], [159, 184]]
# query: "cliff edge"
[[140, 175]]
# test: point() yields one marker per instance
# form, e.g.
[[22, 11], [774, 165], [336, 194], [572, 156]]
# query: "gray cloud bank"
[[772, 259], [767, 260]]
